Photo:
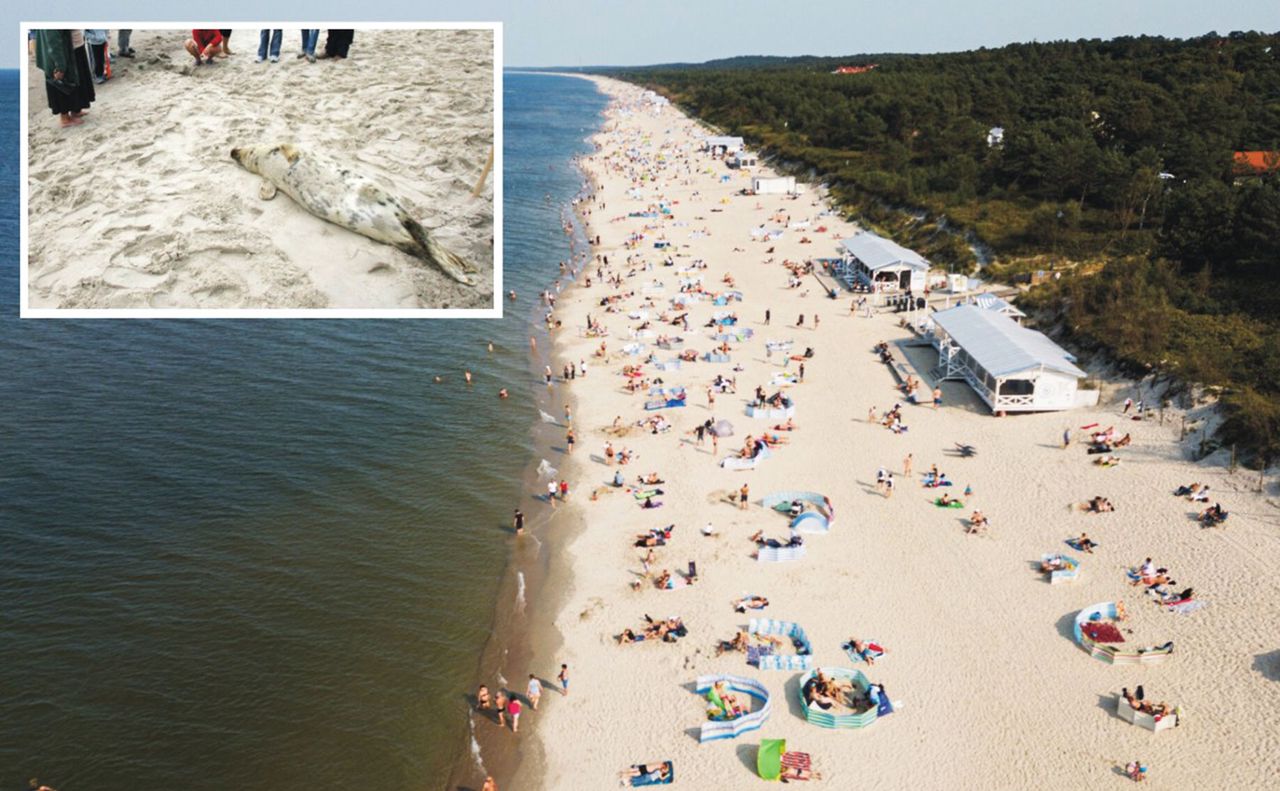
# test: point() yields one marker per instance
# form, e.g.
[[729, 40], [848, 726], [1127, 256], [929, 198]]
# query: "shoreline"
[[522, 632], [632, 705]]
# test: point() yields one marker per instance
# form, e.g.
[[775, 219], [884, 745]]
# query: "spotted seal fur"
[[332, 191]]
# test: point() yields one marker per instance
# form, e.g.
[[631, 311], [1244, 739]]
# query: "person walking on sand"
[[569, 439], [800, 321], [816, 320], [61, 55], [906, 465], [534, 691], [1128, 404], [608, 454], [513, 709], [1066, 438], [563, 678], [767, 315], [552, 490], [744, 494], [937, 397], [871, 415], [517, 522], [269, 46], [711, 398]]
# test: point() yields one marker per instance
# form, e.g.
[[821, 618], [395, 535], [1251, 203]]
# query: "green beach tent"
[[769, 758]]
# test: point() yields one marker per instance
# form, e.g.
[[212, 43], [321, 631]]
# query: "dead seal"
[[332, 191]]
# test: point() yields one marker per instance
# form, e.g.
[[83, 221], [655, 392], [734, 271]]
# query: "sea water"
[[250, 554]]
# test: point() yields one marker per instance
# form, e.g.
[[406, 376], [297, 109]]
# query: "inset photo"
[[267, 171]]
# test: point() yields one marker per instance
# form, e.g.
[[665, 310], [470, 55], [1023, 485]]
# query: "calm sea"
[[253, 554]]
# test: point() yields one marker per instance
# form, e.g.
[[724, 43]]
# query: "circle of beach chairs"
[[1096, 632], [764, 657], [716, 729], [818, 520], [880, 704]]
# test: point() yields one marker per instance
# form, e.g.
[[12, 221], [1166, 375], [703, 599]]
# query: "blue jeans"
[[309, 39], [275, 36]]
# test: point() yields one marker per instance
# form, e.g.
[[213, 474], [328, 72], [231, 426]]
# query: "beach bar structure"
[[1012, 368], [744, 160], [722, 145], [881, 264], [775, 185]]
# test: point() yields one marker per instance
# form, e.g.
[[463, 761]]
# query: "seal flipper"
[[424, 247], [267, 190]]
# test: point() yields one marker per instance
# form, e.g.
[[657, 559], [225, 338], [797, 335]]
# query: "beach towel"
[[952, 504], [1188, 607], [873, 648], [1074, 544], [754, 652], [1102, 632], [797, 762], [653, 778]]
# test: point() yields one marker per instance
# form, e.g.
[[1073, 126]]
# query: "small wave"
[[545, 417], [520, 602], [545, 470], [475, 747]]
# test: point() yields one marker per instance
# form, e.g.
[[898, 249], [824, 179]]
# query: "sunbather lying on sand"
[[738, 643], [865, 651], [762, 542], [651, 479], [1085, 544], [1213, 515], [1055, 563], [1099, 505], [790, 425], [650, 773], [750, 603]]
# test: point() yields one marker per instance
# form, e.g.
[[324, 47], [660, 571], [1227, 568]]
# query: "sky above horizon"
[[540, 33]]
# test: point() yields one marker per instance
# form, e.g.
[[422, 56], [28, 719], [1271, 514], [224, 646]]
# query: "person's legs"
[[276, 37], [122, 43], [263, 36]]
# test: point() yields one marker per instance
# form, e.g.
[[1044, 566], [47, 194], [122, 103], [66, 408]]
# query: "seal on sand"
[[334, 192]]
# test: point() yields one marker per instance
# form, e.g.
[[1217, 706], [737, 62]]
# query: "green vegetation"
[[1115, 168]]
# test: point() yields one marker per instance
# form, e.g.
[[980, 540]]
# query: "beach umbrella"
[[722, 428]]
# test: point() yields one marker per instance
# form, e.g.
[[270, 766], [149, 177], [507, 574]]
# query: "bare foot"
[[73, 121]]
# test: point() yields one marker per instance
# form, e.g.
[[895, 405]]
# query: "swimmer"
[[468, 376], [511, 295], [503, 393]]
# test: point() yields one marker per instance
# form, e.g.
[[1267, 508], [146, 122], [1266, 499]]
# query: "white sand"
[[142, 206], [996, 693]]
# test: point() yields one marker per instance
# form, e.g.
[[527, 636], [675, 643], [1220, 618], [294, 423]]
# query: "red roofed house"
[[854, 69], [1255, 163]]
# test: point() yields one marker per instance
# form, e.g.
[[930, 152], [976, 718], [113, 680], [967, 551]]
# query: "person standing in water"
[[518, 522], [534, 691]]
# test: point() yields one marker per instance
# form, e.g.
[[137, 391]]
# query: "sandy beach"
[[143, 207], [990, 689]]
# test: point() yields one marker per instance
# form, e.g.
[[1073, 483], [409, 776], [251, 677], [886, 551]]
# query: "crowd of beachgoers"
[[749, 430]]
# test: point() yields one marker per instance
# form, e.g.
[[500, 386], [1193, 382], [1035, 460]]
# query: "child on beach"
[[563, 678]]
